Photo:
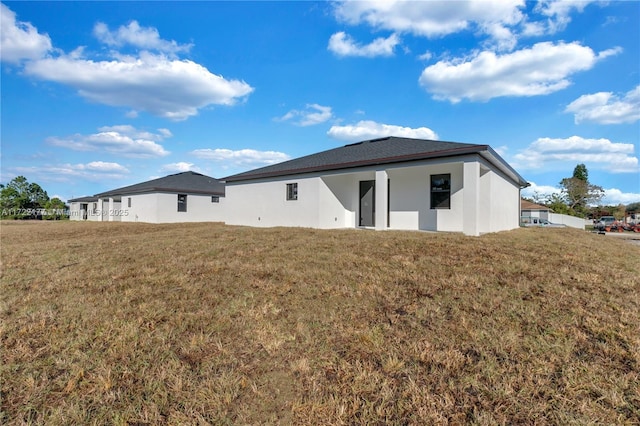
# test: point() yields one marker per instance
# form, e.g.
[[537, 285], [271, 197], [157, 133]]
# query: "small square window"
[[182, 202], [441, 191], [292, 191], [215, 199]]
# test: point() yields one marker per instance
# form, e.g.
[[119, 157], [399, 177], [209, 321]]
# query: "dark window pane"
[[441, 191], [292, 191], [182, 203]]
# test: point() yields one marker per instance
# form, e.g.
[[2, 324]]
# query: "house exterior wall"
[[163, 208], [410, 198], [264, 203], [144, 208], [114, 213], [482, 199], [102, 210], [499, 202], [338, 201], [95, 211], [75, 212]]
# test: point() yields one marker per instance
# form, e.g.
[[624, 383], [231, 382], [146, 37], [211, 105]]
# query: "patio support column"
[[471, 198], [99, 208], [382, 199], [110, 210]]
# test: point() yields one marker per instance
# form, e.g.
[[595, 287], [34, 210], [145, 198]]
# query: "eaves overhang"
[[159, 190]]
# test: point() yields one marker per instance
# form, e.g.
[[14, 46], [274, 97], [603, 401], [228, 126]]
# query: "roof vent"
[[379, 139], [369, 141]]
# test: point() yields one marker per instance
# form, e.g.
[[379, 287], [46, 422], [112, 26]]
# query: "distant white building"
[[181, 197]]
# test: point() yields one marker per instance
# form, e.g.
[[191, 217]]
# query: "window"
[[292, 191], [441, 191], [215, 199], [182, 202], [129, 202]]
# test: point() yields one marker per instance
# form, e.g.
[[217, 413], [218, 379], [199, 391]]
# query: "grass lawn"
[[135, 324]]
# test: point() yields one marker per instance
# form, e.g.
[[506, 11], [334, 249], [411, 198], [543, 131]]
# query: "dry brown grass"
[[134, 324]]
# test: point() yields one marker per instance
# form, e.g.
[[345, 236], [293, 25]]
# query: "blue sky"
[[99, 95]]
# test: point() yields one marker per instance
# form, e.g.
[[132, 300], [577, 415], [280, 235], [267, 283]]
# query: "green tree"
[[19, 198], [581, 172], [556, 203], [56, 209], [633, 207], [578, 192]]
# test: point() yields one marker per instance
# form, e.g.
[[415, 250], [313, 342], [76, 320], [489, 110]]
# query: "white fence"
[[571, 221]]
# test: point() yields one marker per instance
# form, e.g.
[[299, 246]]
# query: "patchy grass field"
[[135, 324]]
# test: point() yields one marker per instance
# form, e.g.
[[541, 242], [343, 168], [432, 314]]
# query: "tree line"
[[21, 199], [581, 198]]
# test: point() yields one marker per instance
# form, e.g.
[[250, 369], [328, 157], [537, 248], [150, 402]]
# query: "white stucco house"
[[386, 183], [181, 197]]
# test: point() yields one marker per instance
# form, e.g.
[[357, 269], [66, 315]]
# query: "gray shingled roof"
[[371, 152], [88, 199], [186, 182]]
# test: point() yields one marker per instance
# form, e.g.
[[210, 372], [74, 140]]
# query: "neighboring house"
[[84, 208], [181, 197], [387, 183], [532, 213], [531, 210]]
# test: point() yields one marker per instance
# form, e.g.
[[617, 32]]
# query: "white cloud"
[[157, 83], [501, 150], [311, 115], [241, 157], [557, 14], [366, 129], [173, 89], [95, 171], [20, 40], [542, 69], [534, 190], [127, 129], [122, 140], [597, 153], [613, 196], [133, 34], [179, 167], [425, 56], [607, 108], [165, 132], [102, 166], [502, 22], [501, 37], [431, 18], [342, 44]]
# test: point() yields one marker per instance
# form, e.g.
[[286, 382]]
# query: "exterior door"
[[367, 203]]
